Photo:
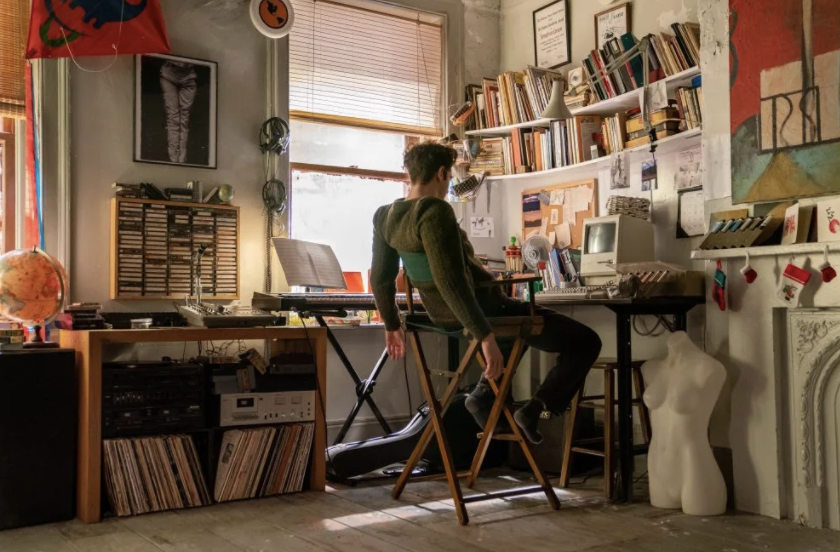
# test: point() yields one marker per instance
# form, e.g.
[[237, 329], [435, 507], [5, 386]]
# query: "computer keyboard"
[[572, 293]]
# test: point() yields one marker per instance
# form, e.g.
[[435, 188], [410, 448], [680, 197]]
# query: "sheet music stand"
[[314, 265]]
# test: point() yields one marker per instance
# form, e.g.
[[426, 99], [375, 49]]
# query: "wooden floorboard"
[[365, 518]]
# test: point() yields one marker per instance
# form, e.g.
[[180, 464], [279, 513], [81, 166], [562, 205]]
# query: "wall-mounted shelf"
[[610, 106], [668, 144], [765, 251]]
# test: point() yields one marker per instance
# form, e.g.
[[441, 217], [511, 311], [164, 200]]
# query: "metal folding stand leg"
[[364, 388]]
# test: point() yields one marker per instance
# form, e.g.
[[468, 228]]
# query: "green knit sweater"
[[428, 225]]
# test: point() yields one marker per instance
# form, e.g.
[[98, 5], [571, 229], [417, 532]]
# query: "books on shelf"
[[263, 461], [151, 474], [668, 56], [513, 97]]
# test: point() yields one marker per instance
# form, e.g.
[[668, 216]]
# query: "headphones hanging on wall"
[[273, 18]]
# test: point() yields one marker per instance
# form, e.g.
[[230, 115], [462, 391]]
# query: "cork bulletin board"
[[559, 211]]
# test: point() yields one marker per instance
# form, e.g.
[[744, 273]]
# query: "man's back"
[[427, 226]]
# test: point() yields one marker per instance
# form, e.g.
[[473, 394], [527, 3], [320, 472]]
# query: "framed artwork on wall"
[[612, 23], [175, 110], [784, 98], [552, 45]]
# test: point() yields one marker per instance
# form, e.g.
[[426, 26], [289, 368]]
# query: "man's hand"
[[493, 357], [395, 344]]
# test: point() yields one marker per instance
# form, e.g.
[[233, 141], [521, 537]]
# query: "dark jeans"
[[577, 347]]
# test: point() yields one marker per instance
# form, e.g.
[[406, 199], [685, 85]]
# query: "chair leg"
[[644, 415], [568, 440], [495, 411], [609, 413], [426, 437], [437, 424]]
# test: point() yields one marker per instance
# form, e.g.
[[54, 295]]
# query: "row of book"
[[263, 461], [513, 97], [151, 474], [667, 56], [583, 138]]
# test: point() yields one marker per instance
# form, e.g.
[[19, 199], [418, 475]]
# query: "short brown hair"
[[425, 159]]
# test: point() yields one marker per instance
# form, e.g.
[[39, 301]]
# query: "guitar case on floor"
[[347, 460]]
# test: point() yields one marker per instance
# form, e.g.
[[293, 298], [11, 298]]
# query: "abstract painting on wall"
[[784, 98]]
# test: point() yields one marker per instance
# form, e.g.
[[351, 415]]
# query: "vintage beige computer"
[[612, 240]]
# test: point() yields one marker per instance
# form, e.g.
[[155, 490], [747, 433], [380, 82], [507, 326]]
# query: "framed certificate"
[[552, 47]]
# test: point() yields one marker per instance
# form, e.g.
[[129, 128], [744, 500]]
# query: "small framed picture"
[[552, 45], [175, 110], [612, 23]]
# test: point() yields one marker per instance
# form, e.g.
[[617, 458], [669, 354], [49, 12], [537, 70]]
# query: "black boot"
[[479, 403], [527, 419]]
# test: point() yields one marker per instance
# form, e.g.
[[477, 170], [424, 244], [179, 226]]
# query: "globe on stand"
[[33, 287]]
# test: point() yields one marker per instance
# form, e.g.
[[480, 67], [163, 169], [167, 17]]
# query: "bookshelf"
[[90, 346], [610, 106], [665, 145]]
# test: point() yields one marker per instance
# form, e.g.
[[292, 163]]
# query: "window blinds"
[[14, 17], [355, 66]]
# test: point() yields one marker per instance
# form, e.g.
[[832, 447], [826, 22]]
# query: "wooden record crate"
[[153, 244]]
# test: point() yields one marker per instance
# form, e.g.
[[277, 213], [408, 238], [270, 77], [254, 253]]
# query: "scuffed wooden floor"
[[365, 519]]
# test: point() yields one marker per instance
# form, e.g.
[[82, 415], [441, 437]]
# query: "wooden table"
[[89, 345]]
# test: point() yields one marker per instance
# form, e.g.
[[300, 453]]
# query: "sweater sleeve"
[[384, 269], [441, 237]]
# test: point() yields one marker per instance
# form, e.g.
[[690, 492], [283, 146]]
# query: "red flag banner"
[[81, 28]]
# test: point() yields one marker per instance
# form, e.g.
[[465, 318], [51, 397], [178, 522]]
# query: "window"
[[357, 65], [14, 18], [355, 104]]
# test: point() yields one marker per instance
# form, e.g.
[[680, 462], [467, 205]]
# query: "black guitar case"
[[347, 460]]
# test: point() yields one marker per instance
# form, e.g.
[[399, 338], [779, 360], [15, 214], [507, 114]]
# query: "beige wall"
[[647, 16]]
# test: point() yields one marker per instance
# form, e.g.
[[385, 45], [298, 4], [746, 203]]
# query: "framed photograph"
[[175, 110], [552, 45], [612, 23]]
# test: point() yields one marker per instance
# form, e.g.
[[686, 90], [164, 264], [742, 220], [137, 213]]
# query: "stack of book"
[[490, 158], [668, 56], [151, 474], [578, 96], [263, 461], [665, 122]]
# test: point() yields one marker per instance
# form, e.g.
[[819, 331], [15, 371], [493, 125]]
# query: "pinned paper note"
[[544, 227], [552, 238], [482, 227], [657, 96], [556, 197], [555, 217], [582, 197], [563, 234], [568, 211]]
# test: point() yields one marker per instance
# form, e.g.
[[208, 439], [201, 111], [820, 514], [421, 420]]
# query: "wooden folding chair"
[[517, 328]]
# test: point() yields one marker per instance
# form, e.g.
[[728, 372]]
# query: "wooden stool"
[[608, 406]]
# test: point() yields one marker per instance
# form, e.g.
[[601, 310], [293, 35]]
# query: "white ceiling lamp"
[[273, 18]]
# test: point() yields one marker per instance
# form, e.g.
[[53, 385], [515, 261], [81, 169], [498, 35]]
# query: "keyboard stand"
[[364, 388]]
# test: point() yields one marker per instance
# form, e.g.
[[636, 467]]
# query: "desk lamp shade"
[[557, 108]]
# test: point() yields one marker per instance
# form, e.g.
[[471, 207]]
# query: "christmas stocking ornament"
[[749, 273], [828, 272], [793, 280], [719, 287]]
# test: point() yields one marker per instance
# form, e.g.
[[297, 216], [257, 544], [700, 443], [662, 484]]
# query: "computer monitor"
[[613, 239]]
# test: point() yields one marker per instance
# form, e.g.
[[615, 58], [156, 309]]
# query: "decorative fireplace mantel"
[[814, 376]]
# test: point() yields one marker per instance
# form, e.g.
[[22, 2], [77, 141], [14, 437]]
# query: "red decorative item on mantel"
[[828, 272], [84, 28], [749, 273], [794, 279]]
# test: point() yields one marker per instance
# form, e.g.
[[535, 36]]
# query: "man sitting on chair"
[[424, 224]]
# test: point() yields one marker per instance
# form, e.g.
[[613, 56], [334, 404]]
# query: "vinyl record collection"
[[150, 474], [156, 246], [263, 461]]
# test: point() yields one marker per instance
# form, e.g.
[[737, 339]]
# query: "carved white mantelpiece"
[[814, 356]]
